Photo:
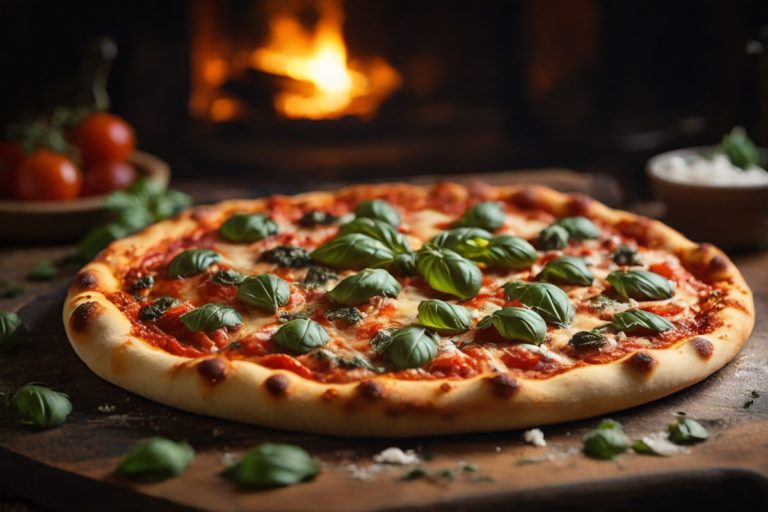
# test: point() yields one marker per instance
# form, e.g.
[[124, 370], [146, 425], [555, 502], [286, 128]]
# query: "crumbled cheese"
[[362, 473], [396, 456], [717, 171], [106, 408], [544, 351], [535, 437]]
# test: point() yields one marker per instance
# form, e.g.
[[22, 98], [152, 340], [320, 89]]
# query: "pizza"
[[403, 310]]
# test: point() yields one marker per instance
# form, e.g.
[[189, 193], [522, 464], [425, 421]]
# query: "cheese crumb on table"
[[535, 437], [396, 456]]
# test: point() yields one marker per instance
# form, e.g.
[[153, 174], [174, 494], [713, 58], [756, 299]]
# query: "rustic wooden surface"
[[72, 467]]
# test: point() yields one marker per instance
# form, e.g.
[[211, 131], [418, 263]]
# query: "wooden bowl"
[[67, 221], [733, 217]]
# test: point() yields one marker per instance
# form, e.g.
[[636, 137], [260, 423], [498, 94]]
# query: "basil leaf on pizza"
[[301, 335], [142, 283], [448, 272], [469, 242], [412, 346], [157, 308], [273, 465], [546, 299], [379, 210], [358, 288], [40, 406], [156, 459], [378, 230], [593, 339], [552, 238], [353, 250], [626, 256], [317, 218], [639, 321], [566, 270], [507, 251], [12, 331], [444, 317], [317, 276], [488, 215], [247, 228], [228, 277], [579, 228], [211, 316], [265, 291], [192, 262], [348, 315], [641, 284], [287, 256], [520, 324]]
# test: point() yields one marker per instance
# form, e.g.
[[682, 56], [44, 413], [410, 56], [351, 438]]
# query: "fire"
[[319, 80]]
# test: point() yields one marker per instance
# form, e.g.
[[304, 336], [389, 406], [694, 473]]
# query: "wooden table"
[[72, 466]]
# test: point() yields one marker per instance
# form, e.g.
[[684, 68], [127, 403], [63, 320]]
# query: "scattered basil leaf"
[[579, 228], [413, 474], [348, 315], [211, 316], [12, 331], [101, 236], [566, 270], [639, 321], [318, 276], [11, 291], [444, 317], [641, 284], [287, 256], [740, 150], [488, 215], [301, 335], [626, 256], [469, 242], [157, 308], [40, 406], [315, 218], [552, 238], [606, 441], [354, 250], [507, 251], [593, 339], [403, 263], [546, 299], [156, 459], [273, 465], [285, 316], [522, 324], [228, 277], [143, 283], [265, 291], [448, 272], [687, 431], [378, 209], [247, 228], [192, 262], [412, 346], [378, 230], [358, 288], [381, 340], [485, 322], [356, 360], [43, 271], [601, 303]]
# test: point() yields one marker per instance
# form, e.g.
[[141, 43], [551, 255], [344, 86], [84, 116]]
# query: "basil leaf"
[[378, 209], [579, 228], [626, 255], [247, 228], [448, 272], [444, 317], [606, 441], [546, 299], [265, 291], [157, 308], [593, 339], [318, 276], [356, 360], [142, 283], [228, 277], [101, 236], [639, 321], [156, 459], [287, 256], [552, 238], [360, 287], [192, 262], [488, 215], [514, 323], [403, 263], [687, 431], [43, 271], [353, 251], [314, 218], [209, 317], [285, 316], [507, 251], [602, 302], [567, 270], [41, 406], [349, 315], [378, 230], [412, 346], [381, 340], [301, 335], [739, 149], [273, 465], [469, 242], [12, 331], [641, 284]]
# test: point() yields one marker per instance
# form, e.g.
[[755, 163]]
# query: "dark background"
[[488, 85]]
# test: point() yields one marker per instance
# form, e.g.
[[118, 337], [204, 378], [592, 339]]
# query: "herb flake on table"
[[43, 271]]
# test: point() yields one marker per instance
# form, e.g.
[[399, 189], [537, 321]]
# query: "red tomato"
[[47, 176], [105, 177], [104, 137], [10, 158]]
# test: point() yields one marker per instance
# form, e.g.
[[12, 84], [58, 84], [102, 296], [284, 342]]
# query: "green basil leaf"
[[381, 340], [301, 335], [11, 291], [315, 218], [448, 272], [43, 271], [228, 277], [566, 270], [378, 230], [360, 287], [684, 430], [626, 256], [378, 209], [444, 317], [285, 316], [606, 441], [317, 277], [41, 406], [593, 339], [247, 228], [403, 264], [488, 215], [469, 242], [273, 465], [553, 238], [287, 256], [507, 251], [101, 236], [641, 284], [12, 331], [265, 291], [740, 150], [348, 315], [353, 251], [192, 262], [579, 228], [412, 346], [546, 299], [156, 459], [523, 324], [639, 321], [157, 308], [209, 317]]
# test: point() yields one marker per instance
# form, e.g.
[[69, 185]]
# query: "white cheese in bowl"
[[716, 171]]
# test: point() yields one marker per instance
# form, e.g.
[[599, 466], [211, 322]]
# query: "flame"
[[322, 83]]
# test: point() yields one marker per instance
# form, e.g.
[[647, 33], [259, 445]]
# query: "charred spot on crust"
[[578, 204], [84, 315], [717, 264], [525, 199], [370, 390], [85, 280], [214, 369], [445, 387], [329, 394], [277, 384], [643, 362], [503, 386], [703, 346]]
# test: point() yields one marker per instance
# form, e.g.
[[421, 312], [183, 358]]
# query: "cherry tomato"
[[104, 137], [108, 176], [47, 176], [10, 158]]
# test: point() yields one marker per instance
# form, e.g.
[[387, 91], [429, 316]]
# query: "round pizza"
[[401, 310]]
